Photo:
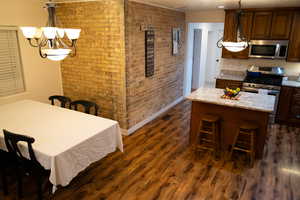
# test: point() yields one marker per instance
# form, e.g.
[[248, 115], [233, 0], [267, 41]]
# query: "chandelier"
[[50, 39], [241, 41]]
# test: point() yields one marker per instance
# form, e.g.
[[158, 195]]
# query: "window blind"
[[11, 75]]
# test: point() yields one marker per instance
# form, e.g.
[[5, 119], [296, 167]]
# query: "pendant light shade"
[[241, 43], [235, 46]]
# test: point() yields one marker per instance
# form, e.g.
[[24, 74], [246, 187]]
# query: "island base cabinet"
[[231, 118], [288, 111]]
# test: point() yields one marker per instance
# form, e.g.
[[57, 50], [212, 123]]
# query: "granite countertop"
[[231, 77], [249, 101], [291, 83]]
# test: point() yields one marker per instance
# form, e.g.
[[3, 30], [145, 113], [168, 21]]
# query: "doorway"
[[203, 56]]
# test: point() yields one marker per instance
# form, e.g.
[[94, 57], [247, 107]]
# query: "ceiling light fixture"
[[49, 39], [241, 43], [291, 171], [221, 6]]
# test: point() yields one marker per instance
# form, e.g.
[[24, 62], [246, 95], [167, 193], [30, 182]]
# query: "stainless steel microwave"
[[273, 49]]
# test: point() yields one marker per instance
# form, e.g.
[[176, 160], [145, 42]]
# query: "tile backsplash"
[[291, 69]]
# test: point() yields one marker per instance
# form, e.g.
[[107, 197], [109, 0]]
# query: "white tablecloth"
[[66, 141]]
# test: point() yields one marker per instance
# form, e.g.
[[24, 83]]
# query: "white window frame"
[[19, 79]]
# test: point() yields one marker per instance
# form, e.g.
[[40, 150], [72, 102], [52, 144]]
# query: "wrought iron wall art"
[[149, 52]]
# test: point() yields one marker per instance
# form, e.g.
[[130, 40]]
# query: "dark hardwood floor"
[[158, 164]]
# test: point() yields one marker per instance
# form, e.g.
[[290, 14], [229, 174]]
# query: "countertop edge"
[[234, 106], [290, 83]]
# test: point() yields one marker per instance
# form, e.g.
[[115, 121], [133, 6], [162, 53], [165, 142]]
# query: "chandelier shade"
[[72, 34], [38, 33], [29, 32], [51, 40], [56, 54]]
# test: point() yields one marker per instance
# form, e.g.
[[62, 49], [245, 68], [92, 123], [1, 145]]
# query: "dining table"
[[66, 141]]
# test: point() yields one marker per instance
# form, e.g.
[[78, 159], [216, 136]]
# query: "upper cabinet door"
[[230, 26], [294, 44], [246, 22], [230, 32], [281, 25], [262, 22]]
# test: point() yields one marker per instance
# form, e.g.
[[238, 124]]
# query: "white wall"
[[210, 65], [196, 57], [42, 77], [205, 27], [203, 55]]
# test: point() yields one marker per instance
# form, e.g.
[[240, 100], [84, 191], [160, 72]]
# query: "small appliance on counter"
[[267, 78]]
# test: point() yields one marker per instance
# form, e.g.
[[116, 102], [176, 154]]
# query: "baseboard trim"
[[152, 117]]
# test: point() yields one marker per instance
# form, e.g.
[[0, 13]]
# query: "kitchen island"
[[250, 107]]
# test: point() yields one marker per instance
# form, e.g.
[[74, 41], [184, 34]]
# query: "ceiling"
[[212, 4]]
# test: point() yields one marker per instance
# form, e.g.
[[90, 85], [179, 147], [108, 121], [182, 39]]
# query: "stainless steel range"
[[266, 80]]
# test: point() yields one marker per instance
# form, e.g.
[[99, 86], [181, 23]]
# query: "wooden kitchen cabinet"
[[266, 24], [294, 44], [275, 25], [288, 110], [230, 26], [230, 32], [281, 25], [233, 84], [262, 23]]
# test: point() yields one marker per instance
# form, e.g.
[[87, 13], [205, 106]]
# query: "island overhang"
[[249, 101]]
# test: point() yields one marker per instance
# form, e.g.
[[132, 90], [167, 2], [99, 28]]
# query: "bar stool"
[[244, 140], [208, 134]]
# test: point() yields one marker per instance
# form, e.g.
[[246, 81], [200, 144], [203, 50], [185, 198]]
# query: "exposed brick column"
[[97, 73]]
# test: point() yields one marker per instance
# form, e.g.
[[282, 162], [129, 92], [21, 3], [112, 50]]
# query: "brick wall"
[[97, 72], [146, 96]]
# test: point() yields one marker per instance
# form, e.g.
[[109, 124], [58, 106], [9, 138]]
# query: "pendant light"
[[241, 42], [49, 40]]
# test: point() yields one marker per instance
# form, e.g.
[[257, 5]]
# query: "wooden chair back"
[[88, 105], [12, 140], [23, 165], [62, 99]]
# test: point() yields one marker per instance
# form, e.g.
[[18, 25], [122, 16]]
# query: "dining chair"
[[7, 166], [88, 105], [25, 166], [3, 166], [62, 99]]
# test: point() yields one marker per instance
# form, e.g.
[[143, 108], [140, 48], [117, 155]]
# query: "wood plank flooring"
[[158, 164]]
